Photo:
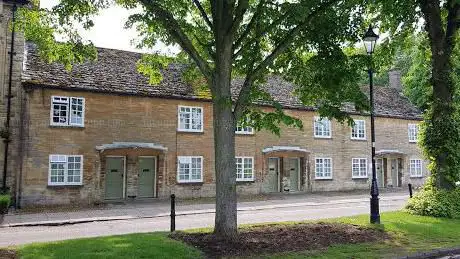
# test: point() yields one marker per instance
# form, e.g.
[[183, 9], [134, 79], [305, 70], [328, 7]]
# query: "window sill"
[[324, 178], [416, 176], [319, 137], [358, 139], [189, 131], [244, 134], [69, 186], [67, 126], [190, 183], [412, 142], [360, 178], [245, 181]]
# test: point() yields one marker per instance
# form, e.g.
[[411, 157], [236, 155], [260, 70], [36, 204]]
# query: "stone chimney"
[[395, 79]]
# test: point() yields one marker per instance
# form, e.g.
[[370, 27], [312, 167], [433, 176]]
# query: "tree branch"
[[203, 13], [242, 100], [248, 28], [239, 14], [174, 29], [453, 21]]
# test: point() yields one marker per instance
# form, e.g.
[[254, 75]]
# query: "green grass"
[[150, 245], [411, 234]]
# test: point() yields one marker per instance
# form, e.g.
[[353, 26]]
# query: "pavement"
[[140, 218], [161, 208]]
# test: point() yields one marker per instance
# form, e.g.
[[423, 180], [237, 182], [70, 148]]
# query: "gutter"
[[6, 133]]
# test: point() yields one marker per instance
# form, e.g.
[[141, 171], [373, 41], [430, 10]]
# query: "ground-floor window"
[[359, 167], [323, 168], [65, 170], [189, 169], [415, 168], [244, 168]]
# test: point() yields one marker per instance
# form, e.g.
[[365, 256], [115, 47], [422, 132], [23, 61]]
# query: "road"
[[23, 235]]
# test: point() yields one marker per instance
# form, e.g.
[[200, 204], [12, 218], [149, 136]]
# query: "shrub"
[[436, 203], [5, 200]]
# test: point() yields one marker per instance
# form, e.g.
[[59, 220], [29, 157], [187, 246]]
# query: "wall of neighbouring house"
[[113, 118], [14, 154]]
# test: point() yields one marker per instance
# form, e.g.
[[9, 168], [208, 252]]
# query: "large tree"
[[222, 39], [438, 21]]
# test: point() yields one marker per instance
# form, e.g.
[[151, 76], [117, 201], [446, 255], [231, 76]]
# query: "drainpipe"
[[6, 134]]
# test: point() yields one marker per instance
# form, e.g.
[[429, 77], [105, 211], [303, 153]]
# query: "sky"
[[109, 32]]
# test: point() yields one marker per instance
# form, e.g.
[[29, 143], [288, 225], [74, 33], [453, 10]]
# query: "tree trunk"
[[225, 166]]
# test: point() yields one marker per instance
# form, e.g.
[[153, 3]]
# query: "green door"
[[114, 176], [147, 175], [273, 174]]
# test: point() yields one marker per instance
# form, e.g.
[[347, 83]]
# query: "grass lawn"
[[411, 234]]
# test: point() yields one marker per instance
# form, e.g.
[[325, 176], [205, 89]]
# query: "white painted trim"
[[408, 132], [189, 130], [365, 132], [315, 118], [253, 173], [190, 181], [68, 123], [421, 168], [367, 169], [332, 170]]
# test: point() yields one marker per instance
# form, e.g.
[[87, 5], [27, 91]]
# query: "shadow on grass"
[[151, 245]]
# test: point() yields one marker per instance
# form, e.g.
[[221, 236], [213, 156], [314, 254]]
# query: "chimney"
[[395, 79]]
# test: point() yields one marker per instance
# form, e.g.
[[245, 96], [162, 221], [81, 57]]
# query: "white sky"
[[109, 32]]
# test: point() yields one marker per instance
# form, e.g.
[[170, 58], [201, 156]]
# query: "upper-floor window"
[[322, 127], [359, 167], [358, 131], [415, 168], [323, 168], [244, 168], [189, 169], [67, 111], [190, 119], [65, 170], [413, 132], [244, 130]]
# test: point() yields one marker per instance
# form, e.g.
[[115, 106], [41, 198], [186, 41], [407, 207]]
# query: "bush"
[[436, 203], [5, 200]]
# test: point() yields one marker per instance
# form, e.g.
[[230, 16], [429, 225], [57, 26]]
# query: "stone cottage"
[[101, 133]]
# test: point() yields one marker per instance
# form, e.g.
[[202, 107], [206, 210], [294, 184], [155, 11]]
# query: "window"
[[67, 111], [244, 168], [415, 168], [323, 168], [190, 169], [244, 130], [358, 131], [359, 167], [322, 127], [190, 119], [413, 132], [65, 170]]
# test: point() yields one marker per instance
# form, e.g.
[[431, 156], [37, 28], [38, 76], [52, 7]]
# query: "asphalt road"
[[23, 235]]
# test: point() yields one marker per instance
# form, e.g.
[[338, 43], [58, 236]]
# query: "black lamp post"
[[370, 40]]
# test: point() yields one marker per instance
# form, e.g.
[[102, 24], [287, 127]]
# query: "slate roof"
[[115, 72]]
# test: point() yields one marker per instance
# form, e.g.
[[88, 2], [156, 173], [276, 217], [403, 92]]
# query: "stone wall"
[[116, 118]]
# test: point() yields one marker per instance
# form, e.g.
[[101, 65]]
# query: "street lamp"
[[370, 40]]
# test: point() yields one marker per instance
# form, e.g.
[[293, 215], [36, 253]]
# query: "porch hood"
[[283, 149], [118, 145]]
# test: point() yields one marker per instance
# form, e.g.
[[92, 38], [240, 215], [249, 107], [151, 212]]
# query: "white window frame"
[[410, 128], [189, 180], [178, 118], [66, 159], [414, 171], [242, 164], [358, 130], [316, 167], [68, 122], [318, 119], [247, 130], [359, 162]]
